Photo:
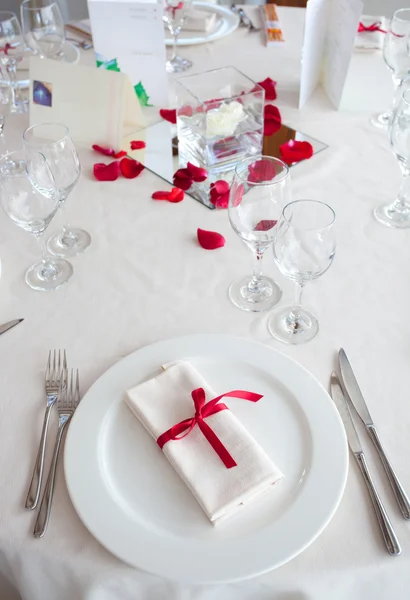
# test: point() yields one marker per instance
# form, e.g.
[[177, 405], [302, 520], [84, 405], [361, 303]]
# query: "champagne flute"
[[304, 248], [396, 55], [29, 197], [175, 13], [54, 141], [43, 28], [260, 189], [397, 213], [11, 53]]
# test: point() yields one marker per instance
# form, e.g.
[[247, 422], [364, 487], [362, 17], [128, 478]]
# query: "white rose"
[[223, 121]]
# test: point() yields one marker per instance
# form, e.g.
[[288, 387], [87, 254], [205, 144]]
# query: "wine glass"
[[396, 55], [259, 191], [12, 52], [6, 98], [43, 28], [54, 141], [304, 248], [397, 213], [29, 197], [175, 13]]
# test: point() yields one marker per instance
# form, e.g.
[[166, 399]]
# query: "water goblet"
[[304, 248], [43, 28], [54, 141], [29, 197], [259, 191], [175, 13], [397, 213], [12, 51]]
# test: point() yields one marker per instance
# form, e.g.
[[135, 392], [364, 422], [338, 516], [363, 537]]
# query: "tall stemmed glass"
[[397, 213], [43, 28], [396, 54], [259, 191], [6, 98], [28, 196], [54, 141], [11, 53], [175, 13], [304, 249]]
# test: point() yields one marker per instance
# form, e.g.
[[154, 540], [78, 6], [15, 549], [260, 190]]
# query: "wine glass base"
[[178, 64], [267, 295], [393, 216], [68, 244], [290, 331], [38, 279], [382, 121]]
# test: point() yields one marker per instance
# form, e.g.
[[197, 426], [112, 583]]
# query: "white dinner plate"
[[226, 23], [133, 502]]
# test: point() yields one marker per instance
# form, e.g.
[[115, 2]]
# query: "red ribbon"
[[376, 26], [5, 49], [202, 410]]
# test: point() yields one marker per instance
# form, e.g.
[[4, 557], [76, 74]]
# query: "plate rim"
[[230, 578]]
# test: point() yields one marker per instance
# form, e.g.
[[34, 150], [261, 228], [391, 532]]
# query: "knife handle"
[[390, 539], [401, 496]]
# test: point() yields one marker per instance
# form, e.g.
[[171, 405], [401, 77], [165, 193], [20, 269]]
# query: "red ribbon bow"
[[376, 26], [5, 49], [202, 410]]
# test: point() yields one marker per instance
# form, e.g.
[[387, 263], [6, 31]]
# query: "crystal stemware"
[[29, 197], [175, 13], [6, 98], [396, 55], [11, 53], [54, 141], [260, 189], [304, 248], [43, 28], [397, 213]]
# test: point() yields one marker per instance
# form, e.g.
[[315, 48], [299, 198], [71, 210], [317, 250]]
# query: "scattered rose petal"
[[109, 172], [182, 179], [197, 173], [269, 86], [265, 225], [105, 151], [219, 194], [137, 145], [261, 170], [130, 168], [169, 115], [120, 154], [210, 240], [295, 151], [185, 111], [176, 195], [160, 195], [238, 195], [273, 120]]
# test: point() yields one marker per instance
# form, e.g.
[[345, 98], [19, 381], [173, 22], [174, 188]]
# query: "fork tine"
[[77, 389], [54, 378], [58, 374], [48, 367], [70, 401], [64, 360]]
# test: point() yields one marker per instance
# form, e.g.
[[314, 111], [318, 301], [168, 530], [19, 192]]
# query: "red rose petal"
[[182, 183], [210, 240], [269, 86], [183, 174], [109, 172], [197, 173], [185, 111], [273, 120], [219, 193], [295, 151], [261, 170], [265, 225], [137, 145], [169, 115], [176, 195], [238, 195], [160, 195], [120, 154], [221, 186], [130, 168], [105, 151]]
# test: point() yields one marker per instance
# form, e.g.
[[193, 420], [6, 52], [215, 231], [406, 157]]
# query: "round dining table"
[[145, 278]]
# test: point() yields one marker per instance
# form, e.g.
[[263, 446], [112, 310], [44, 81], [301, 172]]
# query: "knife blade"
[[389, 536], [355, 395], [9, 325]]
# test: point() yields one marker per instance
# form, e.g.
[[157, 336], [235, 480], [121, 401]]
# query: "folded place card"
[[129, 37], [98, 106]]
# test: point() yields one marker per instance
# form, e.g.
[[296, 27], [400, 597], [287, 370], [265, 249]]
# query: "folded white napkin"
[[371, 40], [165, 400], [199, 20]]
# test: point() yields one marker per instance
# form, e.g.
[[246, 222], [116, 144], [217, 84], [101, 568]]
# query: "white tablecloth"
[[145, 278]]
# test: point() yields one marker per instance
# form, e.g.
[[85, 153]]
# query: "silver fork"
[[68, 399], [53, 376]]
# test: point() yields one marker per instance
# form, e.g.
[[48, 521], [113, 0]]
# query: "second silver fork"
[[52, 382]]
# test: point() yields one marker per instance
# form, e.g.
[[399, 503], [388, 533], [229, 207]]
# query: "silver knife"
[[390, 539], [353, 391], [9, 325]]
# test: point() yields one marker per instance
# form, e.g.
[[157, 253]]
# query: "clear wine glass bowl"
[[43, 28], [12, 49], [175, 13]]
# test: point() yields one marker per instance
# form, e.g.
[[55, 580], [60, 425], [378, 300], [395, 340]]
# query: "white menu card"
[[330, 31], [128, 36]]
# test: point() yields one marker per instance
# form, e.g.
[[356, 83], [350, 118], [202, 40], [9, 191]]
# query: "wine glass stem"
[[174, 45], [48, 270], [403, 196], [11, 70], [255, 282], [294, 315]]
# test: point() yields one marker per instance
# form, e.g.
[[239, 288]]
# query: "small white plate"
[[226, 23], [131, 499]]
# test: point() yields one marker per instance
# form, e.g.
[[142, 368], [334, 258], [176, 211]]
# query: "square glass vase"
[[219, 123]]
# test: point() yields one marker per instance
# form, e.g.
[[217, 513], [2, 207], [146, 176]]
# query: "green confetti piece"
[[142, 94]]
